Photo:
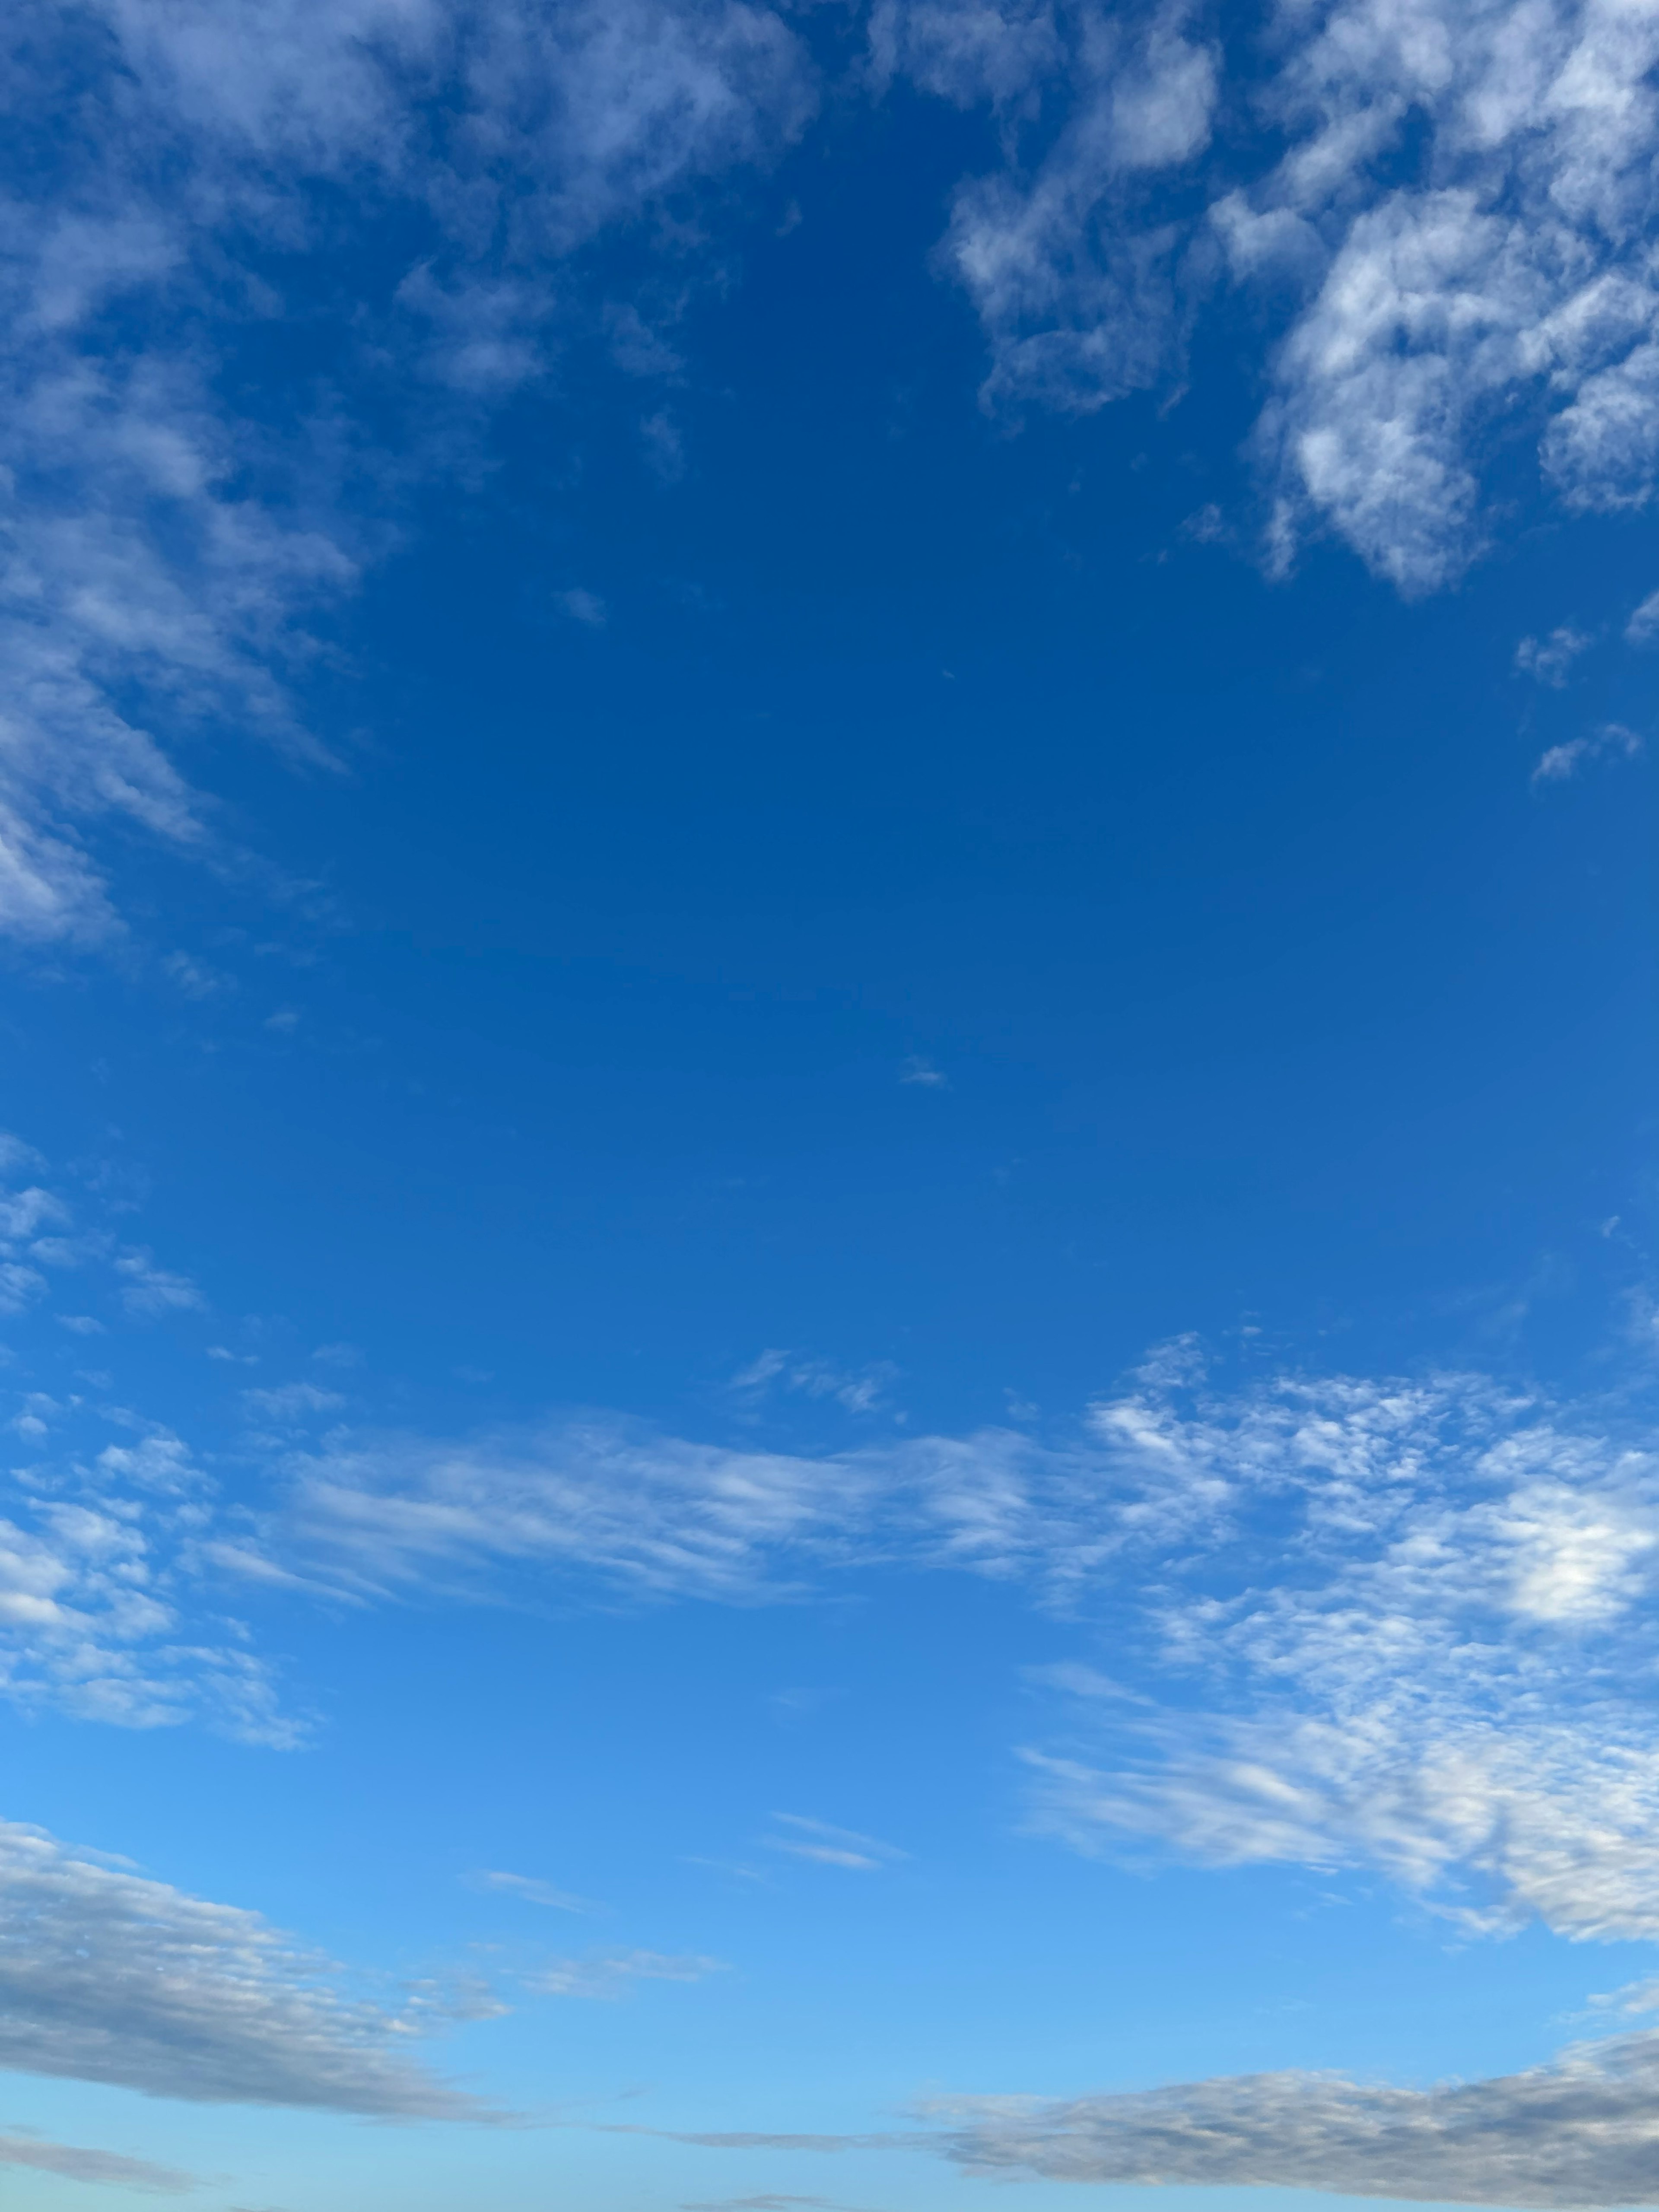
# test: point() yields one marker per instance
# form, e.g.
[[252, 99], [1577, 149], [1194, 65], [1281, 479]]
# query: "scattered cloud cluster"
[[107, 1975], [98, 1610], [1383, 1623], [1401, 1597], [856, 1391], [1448, 212], [99, 1616]]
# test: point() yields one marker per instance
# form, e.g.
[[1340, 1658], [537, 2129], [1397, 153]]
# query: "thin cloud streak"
[[75, 2163]]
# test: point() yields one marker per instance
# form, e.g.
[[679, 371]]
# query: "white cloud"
[[75, 2163], [532, 1891], [195, 979], [1399, 1620], [614, 1974], [1561, 762], [95, 1597], [1642, 627], [23, 1212], [826, 1845], [152, 1291], [108, 1976], [582, 606], [18, 1287], [1074, 281], [917, 1070], [1550, 659], [639, 1511], [966, 51], [860, 1392], [292, 1402], [1580, 2131], [1500, 297]]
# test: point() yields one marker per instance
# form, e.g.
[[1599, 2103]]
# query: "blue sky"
[[826, 887]]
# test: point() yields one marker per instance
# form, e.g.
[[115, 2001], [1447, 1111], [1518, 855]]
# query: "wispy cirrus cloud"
[[613, 1974], [532, 1891], [824, 1845]]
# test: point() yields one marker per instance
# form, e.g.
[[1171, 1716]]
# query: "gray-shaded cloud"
[[75, 2163], [108, 1976], [1581, 2132]]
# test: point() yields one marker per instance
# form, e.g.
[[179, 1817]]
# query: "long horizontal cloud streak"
[[107, 1976], [1582, 2131]]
